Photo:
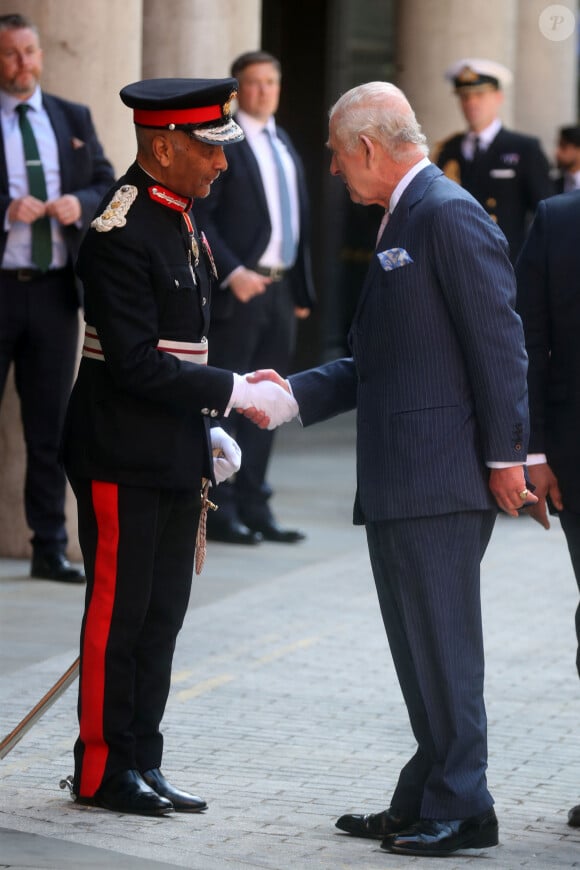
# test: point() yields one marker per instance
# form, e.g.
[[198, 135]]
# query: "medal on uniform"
[[208, 254], [195, 251]]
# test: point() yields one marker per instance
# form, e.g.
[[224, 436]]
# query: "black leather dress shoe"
[[181, 800], [54, 566], [374, 826], [271, 531], [434, 838], [231, 532], [574, 817], [127, 792]]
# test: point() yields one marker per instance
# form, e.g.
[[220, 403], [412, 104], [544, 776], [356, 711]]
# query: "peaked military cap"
[[200, 107], [472, 72]]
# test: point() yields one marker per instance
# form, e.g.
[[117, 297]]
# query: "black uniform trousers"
[[570, 523], [259, 334], [427, 574], [39, 332], [138, 546]]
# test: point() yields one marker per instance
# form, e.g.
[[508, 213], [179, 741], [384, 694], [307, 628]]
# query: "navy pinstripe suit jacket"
[[438, 366]]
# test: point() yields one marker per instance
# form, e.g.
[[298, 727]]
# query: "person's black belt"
[[276, 273], [26, 275]]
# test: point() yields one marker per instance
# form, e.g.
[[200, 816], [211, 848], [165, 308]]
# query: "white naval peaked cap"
[[473, 71]]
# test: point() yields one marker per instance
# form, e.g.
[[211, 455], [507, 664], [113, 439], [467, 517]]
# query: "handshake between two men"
[[264, 398]]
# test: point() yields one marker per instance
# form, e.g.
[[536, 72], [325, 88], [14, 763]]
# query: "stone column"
[[194, 38], [91, 49], [431, 34], [546, 70]]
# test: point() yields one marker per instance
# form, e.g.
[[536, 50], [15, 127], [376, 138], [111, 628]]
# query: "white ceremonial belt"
[[191, 351]]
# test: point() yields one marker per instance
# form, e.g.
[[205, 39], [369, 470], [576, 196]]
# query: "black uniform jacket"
[[548, 301], [140, 416], [511, 178]]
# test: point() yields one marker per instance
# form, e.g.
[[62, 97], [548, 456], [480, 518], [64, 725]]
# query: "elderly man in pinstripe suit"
[[438, 378]]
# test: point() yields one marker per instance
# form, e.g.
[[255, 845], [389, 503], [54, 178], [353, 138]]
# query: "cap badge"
[[116, 212], [467, 75], [227, 106]]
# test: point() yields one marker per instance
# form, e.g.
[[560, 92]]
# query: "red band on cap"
[[163, 117]]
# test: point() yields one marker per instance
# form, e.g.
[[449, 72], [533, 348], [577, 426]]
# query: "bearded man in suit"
[[548, 300], [438, 379], [39, 297]]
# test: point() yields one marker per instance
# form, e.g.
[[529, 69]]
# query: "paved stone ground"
[[285, 711]]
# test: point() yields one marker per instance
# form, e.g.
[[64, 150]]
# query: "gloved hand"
[[227, 454], [267, 397]]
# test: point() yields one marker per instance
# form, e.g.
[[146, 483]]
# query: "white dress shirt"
[[258, 142], [18, 243]]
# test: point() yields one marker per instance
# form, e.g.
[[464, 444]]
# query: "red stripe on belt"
[[97, 626]]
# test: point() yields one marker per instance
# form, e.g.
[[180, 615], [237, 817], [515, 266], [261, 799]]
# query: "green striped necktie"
[[41, 238]]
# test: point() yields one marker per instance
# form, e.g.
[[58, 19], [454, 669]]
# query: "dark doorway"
[[326, 47]]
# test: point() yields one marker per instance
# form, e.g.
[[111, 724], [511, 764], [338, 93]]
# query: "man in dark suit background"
[[548, 300], [39, 301], [438, 379], [264, 288], [568, 159], [507, 172]]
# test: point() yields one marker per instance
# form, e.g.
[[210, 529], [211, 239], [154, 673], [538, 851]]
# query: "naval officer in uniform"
[[507, 172], [139, 438]]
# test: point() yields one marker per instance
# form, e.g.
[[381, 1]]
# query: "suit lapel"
[[61, 129], [398, 220]]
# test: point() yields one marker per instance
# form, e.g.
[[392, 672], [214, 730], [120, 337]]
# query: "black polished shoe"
[[374, 826], [181, 800], [54, 566], [271, 531], [127, 792], [574, 817], [232, 532], [434, 838]]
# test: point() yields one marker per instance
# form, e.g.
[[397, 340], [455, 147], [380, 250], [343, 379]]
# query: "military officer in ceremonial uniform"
[[506, 172], [138, 439]]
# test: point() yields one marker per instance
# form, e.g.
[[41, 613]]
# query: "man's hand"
[[245, 284], [227, 454], [267, 402], [66, 209], [507, 486], [26, 210], [546, 483]]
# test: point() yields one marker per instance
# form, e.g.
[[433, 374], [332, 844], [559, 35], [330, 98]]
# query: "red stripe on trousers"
[[97, 627]]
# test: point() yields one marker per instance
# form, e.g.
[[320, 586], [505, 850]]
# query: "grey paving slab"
[[285, 711]]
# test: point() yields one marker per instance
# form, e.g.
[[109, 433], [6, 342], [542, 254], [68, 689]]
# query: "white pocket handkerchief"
[[394, 258]]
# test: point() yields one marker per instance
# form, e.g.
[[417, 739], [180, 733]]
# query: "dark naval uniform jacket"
[[509, 180], [139, 415]]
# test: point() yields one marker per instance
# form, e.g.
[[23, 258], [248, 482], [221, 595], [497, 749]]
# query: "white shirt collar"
[[8, 103], [252, 127], [487, 135], [406, 181]]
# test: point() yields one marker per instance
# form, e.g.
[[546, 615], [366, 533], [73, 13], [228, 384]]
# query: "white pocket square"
[[394, 258]]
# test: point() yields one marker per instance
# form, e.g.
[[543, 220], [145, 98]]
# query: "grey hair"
[[380, 111]]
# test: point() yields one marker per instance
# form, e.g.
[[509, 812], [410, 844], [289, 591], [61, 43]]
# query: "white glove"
[[279, 405], [229, 459]]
